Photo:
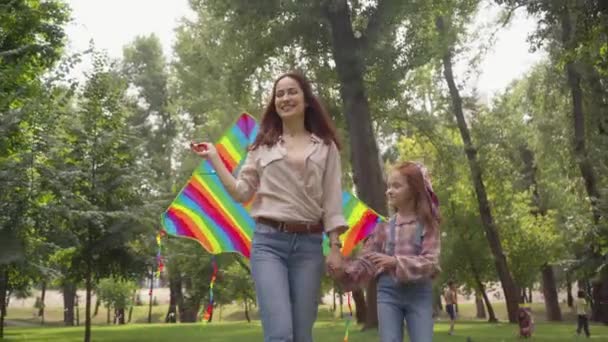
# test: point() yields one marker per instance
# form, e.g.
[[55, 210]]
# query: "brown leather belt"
[[292, 227]]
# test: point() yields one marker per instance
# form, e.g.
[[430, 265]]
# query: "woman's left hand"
[[384, 261], [335, 263]]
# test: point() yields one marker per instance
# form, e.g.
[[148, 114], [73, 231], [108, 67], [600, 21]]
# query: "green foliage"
[[238, 283], [99, 179], [32, 41], [116, 293]]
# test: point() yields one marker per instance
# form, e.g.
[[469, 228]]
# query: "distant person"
[[451, 304], [582, 312], [526, 322]]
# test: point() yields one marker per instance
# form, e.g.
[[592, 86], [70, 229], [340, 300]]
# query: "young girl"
[[404, 256], [293, 169]]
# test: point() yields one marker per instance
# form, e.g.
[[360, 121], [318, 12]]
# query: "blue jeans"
[[412, 302], [287, 271]]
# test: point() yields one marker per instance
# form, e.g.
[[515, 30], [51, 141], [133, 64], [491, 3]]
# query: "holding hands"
[[384, 261], [335, 264]]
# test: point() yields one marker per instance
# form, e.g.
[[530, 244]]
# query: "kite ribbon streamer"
[[209, 312], [349, 318], [159, 258]]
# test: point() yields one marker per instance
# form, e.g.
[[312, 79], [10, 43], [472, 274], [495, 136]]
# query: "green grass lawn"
[[325, 330], [233, 328], [234, 313]]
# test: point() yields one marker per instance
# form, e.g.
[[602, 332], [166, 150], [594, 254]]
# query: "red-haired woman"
[[293, 169], [404, 255]]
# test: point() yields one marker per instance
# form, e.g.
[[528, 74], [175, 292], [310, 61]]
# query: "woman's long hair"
[[316, 118], [422, 196]]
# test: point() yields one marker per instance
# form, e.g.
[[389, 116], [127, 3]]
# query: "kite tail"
[[349, 318], [159, 257], [208, 315]]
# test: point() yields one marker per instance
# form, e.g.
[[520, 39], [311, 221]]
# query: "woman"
[[293, 169], [404, 255]]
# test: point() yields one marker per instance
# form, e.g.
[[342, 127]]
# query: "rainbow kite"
[[205, 212], [361, 221]]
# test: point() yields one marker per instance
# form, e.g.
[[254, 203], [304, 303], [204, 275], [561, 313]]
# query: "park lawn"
[[325, 330], [234, 313]]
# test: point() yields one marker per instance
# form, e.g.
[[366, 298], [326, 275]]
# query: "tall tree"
[[574, 31], [32, 40], [509, 288], [101, 183], [146, 70]]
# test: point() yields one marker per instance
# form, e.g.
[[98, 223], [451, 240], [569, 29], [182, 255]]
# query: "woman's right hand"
[[204, 149]]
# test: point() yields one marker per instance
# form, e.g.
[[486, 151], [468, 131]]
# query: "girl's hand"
[[335, 264], [384, 261], [204, 149]]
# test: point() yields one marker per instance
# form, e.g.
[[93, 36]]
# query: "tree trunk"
[[69, 294], [247, 312], [130, 314], [189, 313], [581, 154], [341, 300], [42, 299], [485, 212], [108, 317], [134, 297], [481, 310], [97, 304], [3, 291], [569, 292], [492, 316], [554, 312], [368, 176], [77, 309], [359, 299], [600, 298], [175, 293], [482, 290], [437, 306], [151, 294], [334, 299], [87, 305], [120, 316]]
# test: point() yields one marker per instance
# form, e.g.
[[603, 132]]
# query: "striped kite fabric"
[[204, 211]]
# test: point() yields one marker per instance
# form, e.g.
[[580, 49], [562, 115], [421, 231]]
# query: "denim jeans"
[[412, 302], [287, 271]]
